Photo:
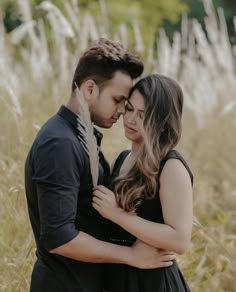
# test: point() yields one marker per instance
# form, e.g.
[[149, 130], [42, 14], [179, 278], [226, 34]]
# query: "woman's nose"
[[131, 117]]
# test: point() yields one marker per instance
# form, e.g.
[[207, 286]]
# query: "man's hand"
[[145, 256]]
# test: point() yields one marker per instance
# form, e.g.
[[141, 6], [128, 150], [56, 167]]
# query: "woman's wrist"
[[121, 216]]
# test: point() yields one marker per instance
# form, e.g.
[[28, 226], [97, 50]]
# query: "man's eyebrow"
[[121, 97]]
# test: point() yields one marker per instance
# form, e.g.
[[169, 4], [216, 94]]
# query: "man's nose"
[[121, 108]]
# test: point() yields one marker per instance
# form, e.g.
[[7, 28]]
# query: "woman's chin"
[[130, 137]]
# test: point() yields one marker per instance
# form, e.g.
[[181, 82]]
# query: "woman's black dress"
[[124, 278]]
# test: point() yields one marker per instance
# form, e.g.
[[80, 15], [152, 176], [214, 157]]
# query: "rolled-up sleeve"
[[57, 167]]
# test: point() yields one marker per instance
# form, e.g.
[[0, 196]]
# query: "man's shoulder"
[[57, 128], [57, 131]]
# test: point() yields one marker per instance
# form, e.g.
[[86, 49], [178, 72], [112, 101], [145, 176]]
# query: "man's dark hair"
[[102, 60]]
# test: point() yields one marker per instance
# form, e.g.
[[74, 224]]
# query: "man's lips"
[[115, 119]]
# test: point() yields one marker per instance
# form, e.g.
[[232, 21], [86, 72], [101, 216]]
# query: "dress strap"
[[174, 154], [119, 161]]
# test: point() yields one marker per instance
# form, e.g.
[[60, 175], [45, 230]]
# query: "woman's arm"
[[176, 200]]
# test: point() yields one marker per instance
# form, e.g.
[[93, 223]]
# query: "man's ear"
[[89, 89]]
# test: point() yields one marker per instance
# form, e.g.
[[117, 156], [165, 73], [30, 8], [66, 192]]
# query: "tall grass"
[[37, 61]]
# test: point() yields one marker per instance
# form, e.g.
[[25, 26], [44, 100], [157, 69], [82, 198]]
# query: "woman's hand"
[[104, 202]]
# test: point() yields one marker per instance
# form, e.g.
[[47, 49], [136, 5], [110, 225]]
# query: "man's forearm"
[[89, 249]]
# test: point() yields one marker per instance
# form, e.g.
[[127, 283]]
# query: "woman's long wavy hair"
[[162, 128]]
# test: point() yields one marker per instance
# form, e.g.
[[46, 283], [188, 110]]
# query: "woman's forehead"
[[137, 101]]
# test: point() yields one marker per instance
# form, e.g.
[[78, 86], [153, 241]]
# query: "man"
[[69, 232]]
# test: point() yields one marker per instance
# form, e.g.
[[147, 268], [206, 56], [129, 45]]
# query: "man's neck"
[[73, 104]]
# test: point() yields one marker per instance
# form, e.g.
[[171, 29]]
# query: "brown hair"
[[162, 130], [102, 60]]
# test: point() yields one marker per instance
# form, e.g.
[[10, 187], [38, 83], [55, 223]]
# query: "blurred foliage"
[[196, 10], [10, 15], [150, 14], [229, 7], [146, 11]]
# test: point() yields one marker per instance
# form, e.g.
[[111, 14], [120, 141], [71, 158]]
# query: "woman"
[[152, 198]]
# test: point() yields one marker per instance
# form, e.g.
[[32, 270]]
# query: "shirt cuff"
[[59, 236]]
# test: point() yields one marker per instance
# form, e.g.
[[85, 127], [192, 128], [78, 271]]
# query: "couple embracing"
[[122, 235]]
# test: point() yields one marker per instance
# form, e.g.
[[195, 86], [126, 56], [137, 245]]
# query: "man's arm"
[[88, 249]]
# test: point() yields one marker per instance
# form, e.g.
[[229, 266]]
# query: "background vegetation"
[[39, 48]]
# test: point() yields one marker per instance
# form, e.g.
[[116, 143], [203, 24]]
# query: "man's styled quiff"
[[102, 60]]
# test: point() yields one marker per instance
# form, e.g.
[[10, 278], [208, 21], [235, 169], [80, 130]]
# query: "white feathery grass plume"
[[204, 48], [44, 49], [104, 23], [164, 54], [94, 34], [26, 16], [184, 31], [88, 31], [62, 23], [228, 108], [234, 46], [73, 17], [150, 52], [226, 56], [196, 222], [175, 56], [3, 50], [123, 34], [14, 99], [61, 31], [116, 37], [139, 46], [21, 31], [85, 126]]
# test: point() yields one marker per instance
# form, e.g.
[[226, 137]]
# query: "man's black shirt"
[[58, 187]]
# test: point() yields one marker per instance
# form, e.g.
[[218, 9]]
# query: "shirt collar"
[[71, 118]]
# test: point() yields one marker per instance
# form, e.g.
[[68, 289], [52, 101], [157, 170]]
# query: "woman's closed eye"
[[129, 107], [141, 115]]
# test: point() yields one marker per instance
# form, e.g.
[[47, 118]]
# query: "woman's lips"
[[130, 129]]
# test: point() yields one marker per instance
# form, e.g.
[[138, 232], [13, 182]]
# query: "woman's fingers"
[[97, 200], [99, 194], [166, 264], [97, 206], [166, 252], [103, 189], [167, 258]]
